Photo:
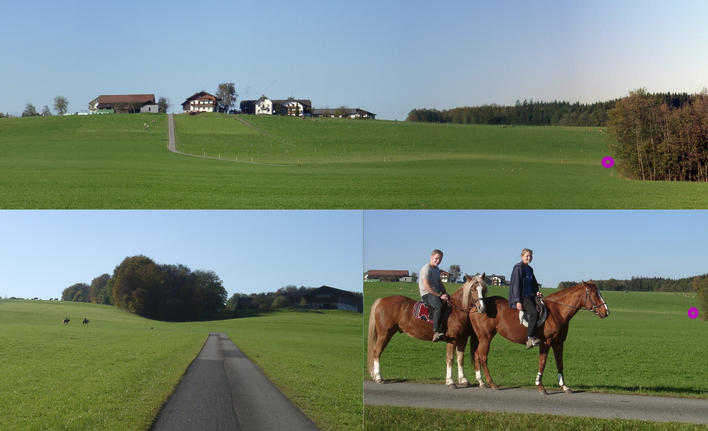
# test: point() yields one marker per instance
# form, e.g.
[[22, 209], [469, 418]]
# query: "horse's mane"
[[561, 293]]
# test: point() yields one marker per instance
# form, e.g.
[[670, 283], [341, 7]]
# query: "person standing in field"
[[433, 293], [522, 290]]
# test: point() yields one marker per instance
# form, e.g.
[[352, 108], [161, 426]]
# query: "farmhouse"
[[496, 280], [265, 106], [343, 113], [201, 102], [385, 275], [331, 298], [150, 107], [120, 103]]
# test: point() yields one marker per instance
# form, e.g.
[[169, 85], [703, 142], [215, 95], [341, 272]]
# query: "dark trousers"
[[529, 306], [437, 307]]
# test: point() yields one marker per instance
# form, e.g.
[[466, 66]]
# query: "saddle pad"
[[421, 311]]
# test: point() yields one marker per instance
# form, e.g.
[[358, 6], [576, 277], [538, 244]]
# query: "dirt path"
[[514, 400], [224, 390]]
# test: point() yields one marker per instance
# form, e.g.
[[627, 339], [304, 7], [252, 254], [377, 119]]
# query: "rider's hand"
[[519, 307]]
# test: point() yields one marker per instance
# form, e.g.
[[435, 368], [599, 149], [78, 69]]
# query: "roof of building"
[[199, 94], [387, 273], [112, 99]]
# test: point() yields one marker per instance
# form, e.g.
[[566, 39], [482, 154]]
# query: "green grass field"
[[647, 345], [116, 372], [112, 161]]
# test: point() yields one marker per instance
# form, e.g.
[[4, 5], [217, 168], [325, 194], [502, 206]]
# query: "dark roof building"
[[121, 103], [332, 298]]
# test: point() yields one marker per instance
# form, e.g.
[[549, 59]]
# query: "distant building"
[[150, 107], [120, 103], [331, 298], [265, 106], [385, 275], [343, 113], [496, 280], [201, 102]]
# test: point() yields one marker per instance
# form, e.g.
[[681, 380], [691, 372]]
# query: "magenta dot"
[[693, 312], [608, 162]]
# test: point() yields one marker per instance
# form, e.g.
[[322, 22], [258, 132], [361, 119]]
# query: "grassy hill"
[[116, 372], [113, 161]]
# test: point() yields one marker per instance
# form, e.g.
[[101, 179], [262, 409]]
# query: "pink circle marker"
[[693, 312], [608, 162]]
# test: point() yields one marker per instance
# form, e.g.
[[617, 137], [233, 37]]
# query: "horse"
[[394, 314], [85, 321], [562, 306], [66, 320]]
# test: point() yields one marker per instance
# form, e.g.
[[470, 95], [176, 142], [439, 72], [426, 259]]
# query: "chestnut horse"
[[394, 314], [562, 306]]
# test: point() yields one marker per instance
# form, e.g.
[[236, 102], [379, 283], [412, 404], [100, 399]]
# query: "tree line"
[[527, 113], [661, 137], [162, 292], [646, 284]]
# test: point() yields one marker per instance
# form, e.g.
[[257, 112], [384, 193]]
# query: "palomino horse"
[[562, 306], [394, 314]]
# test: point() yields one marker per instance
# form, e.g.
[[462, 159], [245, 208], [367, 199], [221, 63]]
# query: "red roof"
[[386, 273], [112, 99]]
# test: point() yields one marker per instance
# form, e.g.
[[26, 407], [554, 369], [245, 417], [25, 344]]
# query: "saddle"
[[542, 313], [422, 312]]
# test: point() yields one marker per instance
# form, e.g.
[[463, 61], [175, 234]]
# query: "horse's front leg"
[[448, 362], [558, 353], [460, 350], [542, 356]]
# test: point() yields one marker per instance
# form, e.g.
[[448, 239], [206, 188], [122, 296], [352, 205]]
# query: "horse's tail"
[[372, 336]]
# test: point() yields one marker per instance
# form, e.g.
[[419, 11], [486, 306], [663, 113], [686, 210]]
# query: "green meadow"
[[113, 161], [117, 372], [647, 346]]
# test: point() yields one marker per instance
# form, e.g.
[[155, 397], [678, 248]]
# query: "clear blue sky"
[[567, 245], [384, 56], [43, 252]]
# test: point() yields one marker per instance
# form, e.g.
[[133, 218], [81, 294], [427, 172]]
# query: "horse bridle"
[[473, 306], [595, 308]]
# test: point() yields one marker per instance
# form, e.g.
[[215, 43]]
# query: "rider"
[[433, 293], [523, 287]]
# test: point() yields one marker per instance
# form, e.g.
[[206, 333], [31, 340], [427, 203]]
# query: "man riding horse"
[[433, 293]]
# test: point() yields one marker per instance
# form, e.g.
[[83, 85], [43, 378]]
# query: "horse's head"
[[478, 287], [594, 301]]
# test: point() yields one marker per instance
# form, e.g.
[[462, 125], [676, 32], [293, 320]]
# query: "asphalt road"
[[224, 390], [514, 400]]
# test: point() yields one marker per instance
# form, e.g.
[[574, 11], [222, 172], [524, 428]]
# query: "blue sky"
[[567, 245], [44, 252], [387, 57]]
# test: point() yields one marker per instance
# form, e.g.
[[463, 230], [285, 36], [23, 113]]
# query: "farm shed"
[[355, 113], [385, 275], [120, 103], [332, 298]]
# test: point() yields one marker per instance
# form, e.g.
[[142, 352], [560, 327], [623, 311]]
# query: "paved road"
[[659, 409], [224, 390]]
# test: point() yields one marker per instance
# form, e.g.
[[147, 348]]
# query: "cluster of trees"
[[61, 104], [226, 91], [163, 292], [285, 297], [661, 136], [528, 113], [645, 284]]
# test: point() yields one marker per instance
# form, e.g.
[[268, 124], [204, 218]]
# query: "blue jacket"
[[516, 285]]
